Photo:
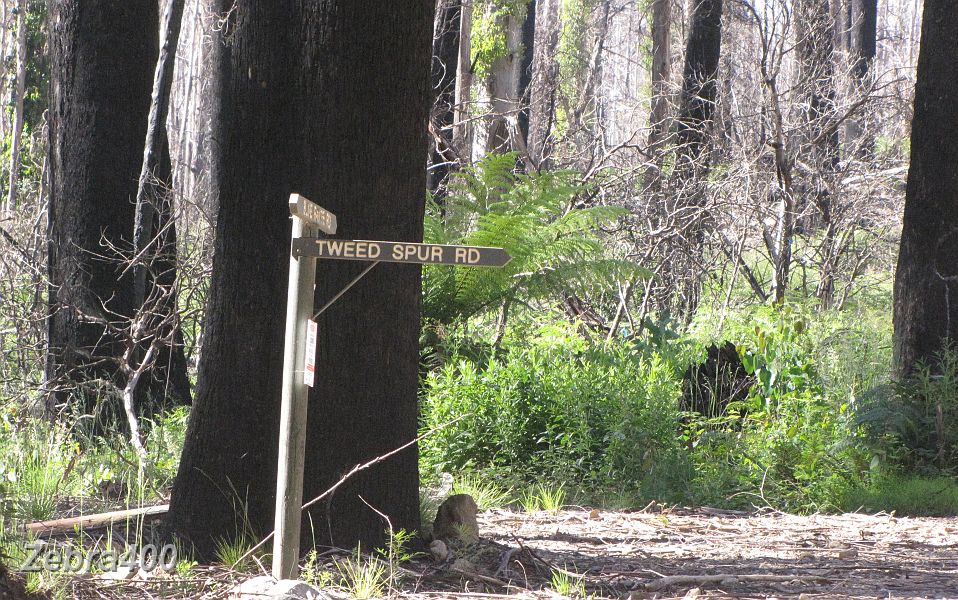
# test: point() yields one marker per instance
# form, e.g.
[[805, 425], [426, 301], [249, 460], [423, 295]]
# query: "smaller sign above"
[[309, 371], [401, 252], [312, 213]]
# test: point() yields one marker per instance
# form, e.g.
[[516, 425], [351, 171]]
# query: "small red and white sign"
[[310, 371]]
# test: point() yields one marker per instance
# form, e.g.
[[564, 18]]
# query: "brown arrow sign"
[[401, 252]]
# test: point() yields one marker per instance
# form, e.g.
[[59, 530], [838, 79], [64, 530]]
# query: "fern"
[[554, 246]]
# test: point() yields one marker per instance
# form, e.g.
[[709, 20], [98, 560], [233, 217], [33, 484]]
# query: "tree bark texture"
[[102, 56], [150, 187], [335, 109], [502, 90], [697, 103], [816, 66], [926, 282], [861, 24], [461, 130]]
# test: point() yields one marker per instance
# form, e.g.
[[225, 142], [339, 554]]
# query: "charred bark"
[[101, 64], [926, 283], [333, 109]]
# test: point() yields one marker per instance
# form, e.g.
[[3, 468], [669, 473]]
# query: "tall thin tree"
[[544, 83], [445, 57], [18, 96]]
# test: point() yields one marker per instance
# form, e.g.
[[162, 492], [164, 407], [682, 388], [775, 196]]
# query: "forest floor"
[[658, 553], [710, 553]]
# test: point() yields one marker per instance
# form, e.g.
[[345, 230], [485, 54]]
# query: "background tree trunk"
[[528, 42], [101, 65], [697, 103], [20, 91], [926, 283], [818, 149], [862, 44], [545, 75], [502, 90], [661, 76], [461, 129], [150, 187], [333, 109], [693, 129], [445, 58]]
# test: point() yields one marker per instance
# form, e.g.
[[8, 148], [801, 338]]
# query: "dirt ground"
[[726, 554], [660, 553]]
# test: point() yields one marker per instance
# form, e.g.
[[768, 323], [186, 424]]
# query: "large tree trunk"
[[333, 109], [20, 91], [544, 83], [926, 283], [101, 64], [445, 57]]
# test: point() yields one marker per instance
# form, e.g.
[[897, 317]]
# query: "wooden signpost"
[[299, 353]]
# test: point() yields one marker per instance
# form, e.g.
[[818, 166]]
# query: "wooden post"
[[292, 421]]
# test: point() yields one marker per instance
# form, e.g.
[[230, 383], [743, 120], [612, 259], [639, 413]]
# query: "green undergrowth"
[[819, 431], [904, 495]]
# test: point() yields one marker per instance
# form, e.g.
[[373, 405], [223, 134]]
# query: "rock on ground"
[[267, 588]]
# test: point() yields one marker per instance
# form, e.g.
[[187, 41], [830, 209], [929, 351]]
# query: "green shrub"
[[913, 424], [796, 448], [555, 412], [912, 496]]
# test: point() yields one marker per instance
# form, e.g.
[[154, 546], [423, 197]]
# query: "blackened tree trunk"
[[697, 103], [863, 36], [816, 66], [862, 43], [334, 109], [661, 73], [154, 234], [926, 283], [445, 58], [693, 125], [102, 57], [151, 185]]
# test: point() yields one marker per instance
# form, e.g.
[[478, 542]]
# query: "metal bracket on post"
[[308, 220]]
